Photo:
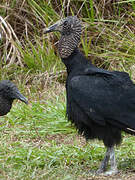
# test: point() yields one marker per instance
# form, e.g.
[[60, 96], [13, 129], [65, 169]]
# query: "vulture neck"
[[75, 61]]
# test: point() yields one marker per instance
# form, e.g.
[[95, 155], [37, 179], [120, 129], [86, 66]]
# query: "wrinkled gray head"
[[9, 91], [70, 29]]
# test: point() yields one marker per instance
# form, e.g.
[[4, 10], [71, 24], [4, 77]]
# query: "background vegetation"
[[36, 141]]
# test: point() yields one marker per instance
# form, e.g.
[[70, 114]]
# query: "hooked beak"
[[19, 96], [55, 27]]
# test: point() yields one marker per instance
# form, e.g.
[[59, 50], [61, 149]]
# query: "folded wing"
[[106, 97]]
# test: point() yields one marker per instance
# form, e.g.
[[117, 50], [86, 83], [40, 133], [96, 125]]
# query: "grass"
[[37, 142], [108, 38]]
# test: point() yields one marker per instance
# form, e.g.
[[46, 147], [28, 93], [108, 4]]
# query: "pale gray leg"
[[104, 163], [113, 169], [110, 155]]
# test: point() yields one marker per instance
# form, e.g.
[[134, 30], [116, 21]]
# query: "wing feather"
[[105, 98]]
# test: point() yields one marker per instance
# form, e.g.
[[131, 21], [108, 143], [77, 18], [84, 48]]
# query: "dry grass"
[[10, 53], [108, 38]]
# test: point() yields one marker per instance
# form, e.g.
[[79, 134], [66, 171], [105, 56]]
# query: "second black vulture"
[[9, 92], [100, 103]]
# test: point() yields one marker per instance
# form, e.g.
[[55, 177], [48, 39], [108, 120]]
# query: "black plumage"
[[9, 92], [100, 103]]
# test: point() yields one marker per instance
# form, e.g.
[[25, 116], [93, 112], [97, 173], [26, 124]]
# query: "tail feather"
[[123, 127], [130, 131]]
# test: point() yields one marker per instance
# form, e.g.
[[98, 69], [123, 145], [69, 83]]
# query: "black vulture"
[[100, 103], [9, 92]]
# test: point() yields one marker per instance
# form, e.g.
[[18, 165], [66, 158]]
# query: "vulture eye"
[[65, 23]]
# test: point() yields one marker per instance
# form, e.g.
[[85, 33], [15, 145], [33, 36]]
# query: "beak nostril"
[[52, 28]]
